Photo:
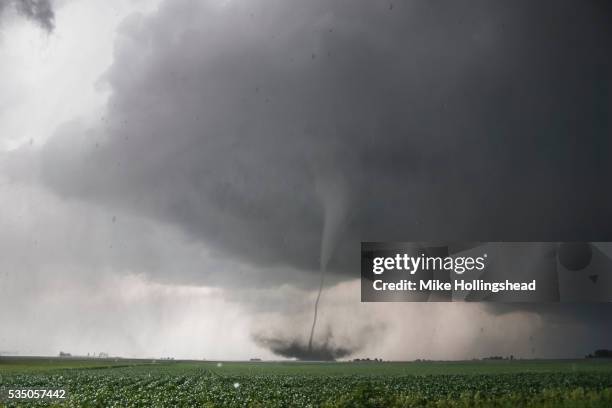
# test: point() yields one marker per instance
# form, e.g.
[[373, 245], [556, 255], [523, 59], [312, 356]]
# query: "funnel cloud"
[[335, 209]]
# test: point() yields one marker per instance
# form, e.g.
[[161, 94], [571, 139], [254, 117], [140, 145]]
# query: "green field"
[[143, 383]]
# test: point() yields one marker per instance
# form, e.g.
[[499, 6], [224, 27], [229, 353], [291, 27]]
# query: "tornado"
[[333, 196], [316, 309]]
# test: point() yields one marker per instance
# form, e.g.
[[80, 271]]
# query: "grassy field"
[[144, 383]]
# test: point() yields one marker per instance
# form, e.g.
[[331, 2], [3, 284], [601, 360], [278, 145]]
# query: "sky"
[[174, 174]]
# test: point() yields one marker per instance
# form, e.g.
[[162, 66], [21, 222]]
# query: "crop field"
[[143, 383]]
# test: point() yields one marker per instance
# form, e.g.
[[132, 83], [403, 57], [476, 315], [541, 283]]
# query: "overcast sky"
[[174, 173]]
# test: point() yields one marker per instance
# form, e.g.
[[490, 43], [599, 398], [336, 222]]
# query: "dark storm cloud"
[[39, 11], [251, 124]]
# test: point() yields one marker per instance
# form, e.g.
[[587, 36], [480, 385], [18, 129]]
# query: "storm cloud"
[[39, 11], [245, 126], [484, 121]]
